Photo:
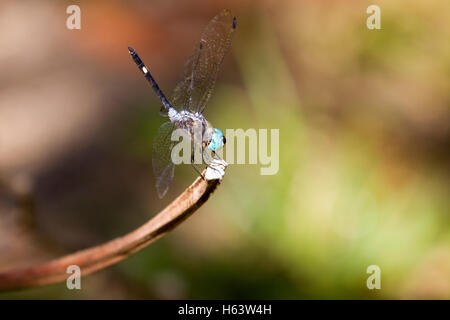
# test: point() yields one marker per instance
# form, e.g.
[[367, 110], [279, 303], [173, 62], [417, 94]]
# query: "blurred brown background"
[[364, 147]]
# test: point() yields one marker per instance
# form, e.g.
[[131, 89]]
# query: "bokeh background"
[[364, 148]]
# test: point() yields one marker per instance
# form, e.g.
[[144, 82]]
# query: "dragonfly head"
[[217, 141]]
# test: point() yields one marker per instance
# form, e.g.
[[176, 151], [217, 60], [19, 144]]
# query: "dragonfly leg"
[[217, 156], [198, 171], [206, 162], [195, 167]]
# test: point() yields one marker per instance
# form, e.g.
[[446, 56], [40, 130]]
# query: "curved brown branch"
[[101, 256]]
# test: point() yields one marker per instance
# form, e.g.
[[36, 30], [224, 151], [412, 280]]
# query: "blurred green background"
[[364, 148]]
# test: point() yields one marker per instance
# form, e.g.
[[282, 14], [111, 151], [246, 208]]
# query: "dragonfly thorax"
[[187, 120], [190, 121], [211, 137]]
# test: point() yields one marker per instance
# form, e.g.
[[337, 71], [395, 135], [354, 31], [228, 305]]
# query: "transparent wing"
[[163, 166], [181, 97], [201, 70]]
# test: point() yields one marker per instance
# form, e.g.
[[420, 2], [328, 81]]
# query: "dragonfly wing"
[[163, 166], [202, 68], [181, 95]]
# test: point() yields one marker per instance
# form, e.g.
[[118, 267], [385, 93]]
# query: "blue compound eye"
[[217, 140]]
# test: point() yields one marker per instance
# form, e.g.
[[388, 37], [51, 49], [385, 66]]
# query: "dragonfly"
[[186, 105]]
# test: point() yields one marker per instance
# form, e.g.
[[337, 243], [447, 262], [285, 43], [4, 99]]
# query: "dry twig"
[[101, 256]]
